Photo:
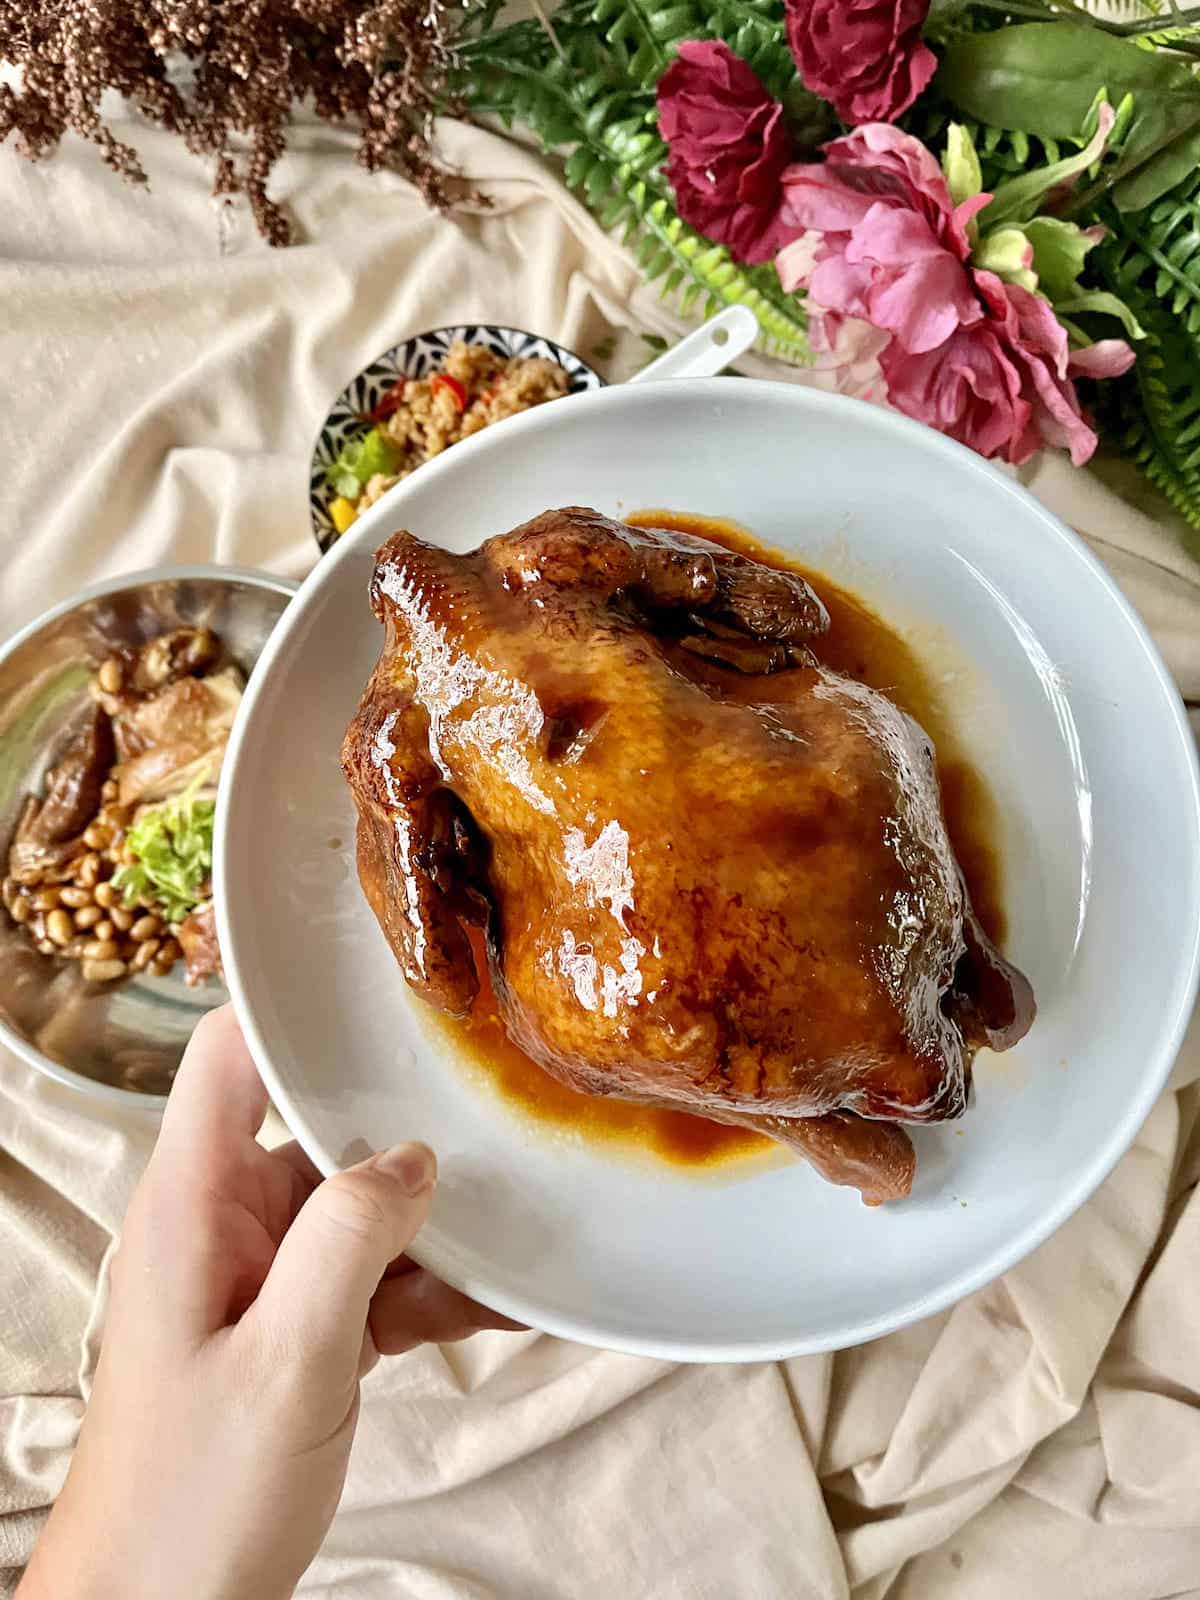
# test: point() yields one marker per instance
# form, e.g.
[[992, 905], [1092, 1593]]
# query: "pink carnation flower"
[[984, 361], [728, 149], [866, 57]]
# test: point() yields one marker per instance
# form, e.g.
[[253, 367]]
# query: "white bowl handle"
[[707, 350]]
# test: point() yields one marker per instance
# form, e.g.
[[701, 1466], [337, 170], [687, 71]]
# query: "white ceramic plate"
[[1061, 700]]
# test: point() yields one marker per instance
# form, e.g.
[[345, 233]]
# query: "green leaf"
[[1121, 122], [1175, 158], [1059, 250], [1041, 78], [960, 163], [1104, 304], [579, 164], [597, 185], [810, 119], [1003, 154], [630, 26], [1006, 252], [1017, 200], [613, 212], [1079, 340]]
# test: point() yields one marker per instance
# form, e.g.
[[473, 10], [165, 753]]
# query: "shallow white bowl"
[[1061, 700]]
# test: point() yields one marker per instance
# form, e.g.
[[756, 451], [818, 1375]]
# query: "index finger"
[[217, 1102], [184, 1239]]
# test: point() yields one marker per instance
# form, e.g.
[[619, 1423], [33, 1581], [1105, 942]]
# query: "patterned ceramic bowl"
[[413, 359]]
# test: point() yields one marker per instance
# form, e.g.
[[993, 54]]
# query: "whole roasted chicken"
[[712, 874]]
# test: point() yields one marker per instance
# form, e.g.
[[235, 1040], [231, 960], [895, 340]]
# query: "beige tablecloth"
[[164, 373]]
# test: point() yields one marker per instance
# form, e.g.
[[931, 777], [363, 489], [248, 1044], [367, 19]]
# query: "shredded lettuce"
[[360, 459], [173, 846]]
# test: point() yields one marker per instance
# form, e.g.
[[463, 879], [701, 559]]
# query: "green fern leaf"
[[579, 164], [589, 92], [635, 31], [1155, 421], [1151, 259], [613, 212]]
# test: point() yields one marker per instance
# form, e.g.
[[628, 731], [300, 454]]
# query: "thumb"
[[317, 1295]]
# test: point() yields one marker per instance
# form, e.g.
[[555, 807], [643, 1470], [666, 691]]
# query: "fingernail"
[[414, 1166]]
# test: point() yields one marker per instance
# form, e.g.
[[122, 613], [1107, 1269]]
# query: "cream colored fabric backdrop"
[[164, 374]]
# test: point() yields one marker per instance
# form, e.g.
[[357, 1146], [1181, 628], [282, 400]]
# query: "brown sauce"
[[672, 1136], [859, 645]]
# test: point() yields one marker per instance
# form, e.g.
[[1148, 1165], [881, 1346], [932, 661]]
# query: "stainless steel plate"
[[123, 1040]]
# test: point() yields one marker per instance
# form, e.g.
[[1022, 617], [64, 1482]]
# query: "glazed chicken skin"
[[713, 875]]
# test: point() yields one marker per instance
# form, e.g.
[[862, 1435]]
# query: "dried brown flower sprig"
[[382, 65]]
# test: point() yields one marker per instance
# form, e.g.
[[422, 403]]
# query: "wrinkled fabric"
[[165, 375]]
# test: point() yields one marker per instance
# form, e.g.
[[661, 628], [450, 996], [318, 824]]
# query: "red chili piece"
[[443, 380]]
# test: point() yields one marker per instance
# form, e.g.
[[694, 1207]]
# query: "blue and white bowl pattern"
[[413, 359]]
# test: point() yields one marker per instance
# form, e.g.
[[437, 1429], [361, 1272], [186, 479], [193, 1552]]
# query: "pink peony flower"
[[866, 57], [966, 387], [728, 149], [1003, 385], [984, 361], [894, 245]]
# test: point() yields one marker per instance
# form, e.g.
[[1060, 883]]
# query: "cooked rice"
[[429, 418]]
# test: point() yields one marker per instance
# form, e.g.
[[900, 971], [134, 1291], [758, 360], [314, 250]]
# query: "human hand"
[[248, 1298]]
